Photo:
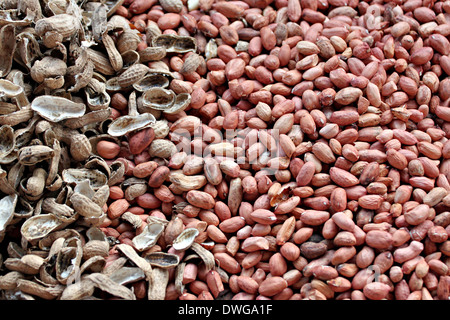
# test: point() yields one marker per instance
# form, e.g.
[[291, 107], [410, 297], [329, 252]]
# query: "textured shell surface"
[[148, 237], [11, 16], [185, 239], [55, 109], [125, 124], [48, 68], [158, 98], [152, 54], [151, 81], [68, 259], [175, 43], [132, 74], [95, 233], [98, 100], [130, 58], [163, 260], [126, 275], [30, 155], [84, 187], [8, 46], [10, 89], [39, 226], [182, 101], [96, 178], [7, 140], [65, 24], [7, 208]]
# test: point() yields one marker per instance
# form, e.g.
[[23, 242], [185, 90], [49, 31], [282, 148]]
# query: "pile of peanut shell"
[[60, 63]]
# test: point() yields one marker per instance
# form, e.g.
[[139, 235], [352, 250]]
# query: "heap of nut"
[[225, 149]]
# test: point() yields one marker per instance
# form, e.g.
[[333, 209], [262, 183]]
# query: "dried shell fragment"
[[24, 135], [211, 49], [158, 290], [39, 290], [128, 40], [85, 206], [126, 275], [64, 24], [9, 280], [94, 248], [95, 233], [84, 188], [48, 68], [117, 172], [82, 71], [33, 187], [131, 122], [191, 64], [118, 23], [96, 178], [34, 154], [187, 183], [28, 264], [96, 95], [16, 117], [11, 16], [104, 283], [133, 74], [113, 54], [158, 98], [9, 89], [101, 196], [55, 109], [175, 43], [39, 226], [163, 260], [131, 218], [162, 148], [112, 6], [7, 209], [152, 54], [49, 241], [27, 50], [17, 295], [6, 107], [96, 162], [7, 48], [130, 58], [14, 175], [182, 101], [9, 158], [185, 239], [179, 275], [93, 264], [100, 61], [148, 237], [99, 22], [96, 116], [131, 254], [112, 85], [7, 140], [151, 81], [78, 290], [68, 260], [126, 124], [83, 78], [23, 209], [204, 254]]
